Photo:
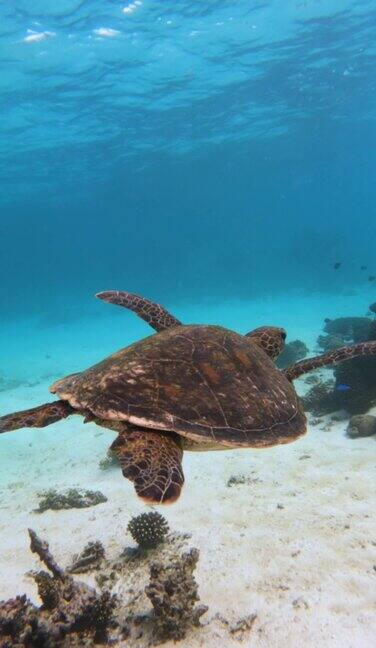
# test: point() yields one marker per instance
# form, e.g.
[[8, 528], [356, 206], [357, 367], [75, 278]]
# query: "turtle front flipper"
[[154, 314], [330, 358], [152, 461], [37, 417]]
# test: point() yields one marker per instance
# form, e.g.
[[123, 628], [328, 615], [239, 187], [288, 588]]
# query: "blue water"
[[197, 151], [218, 157]]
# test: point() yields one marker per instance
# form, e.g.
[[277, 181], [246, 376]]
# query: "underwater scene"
[[188, 323]]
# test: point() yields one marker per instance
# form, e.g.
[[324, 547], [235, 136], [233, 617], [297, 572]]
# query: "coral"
[[173, 593], [148, 529], [357, 375], [360, 375], [329, 342], [321, 398], [362, 425], [243, 626], [293, 351], [352, 329], [311, 379], [48, 589], [153, 602], [72, 498], [90, 558], [41, 548], [72, 613]]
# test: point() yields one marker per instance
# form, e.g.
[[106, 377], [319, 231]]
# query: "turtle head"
[[270, 338]]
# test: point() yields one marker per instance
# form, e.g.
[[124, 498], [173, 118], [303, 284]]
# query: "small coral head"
[[270, 338], [148, 529]]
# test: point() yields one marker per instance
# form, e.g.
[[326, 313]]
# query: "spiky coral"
[[148, 529]]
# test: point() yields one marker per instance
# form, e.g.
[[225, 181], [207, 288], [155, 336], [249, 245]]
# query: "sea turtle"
[[187, 387]]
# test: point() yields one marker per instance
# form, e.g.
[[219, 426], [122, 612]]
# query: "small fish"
[[363, 267], [342, 388], [337, 265], [371, 278]]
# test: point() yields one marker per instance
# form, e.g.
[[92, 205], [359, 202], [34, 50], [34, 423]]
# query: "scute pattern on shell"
[[204, 382]]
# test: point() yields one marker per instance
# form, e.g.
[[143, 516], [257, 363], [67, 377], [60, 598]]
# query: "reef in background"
[[293, 351], [353, 387]]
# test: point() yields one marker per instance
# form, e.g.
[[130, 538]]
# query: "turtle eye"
[[283, 335]]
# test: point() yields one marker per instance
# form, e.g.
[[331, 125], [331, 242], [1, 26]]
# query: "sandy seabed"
[[295, 545]]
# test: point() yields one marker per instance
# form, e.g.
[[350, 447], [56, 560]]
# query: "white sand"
[[297, 546]]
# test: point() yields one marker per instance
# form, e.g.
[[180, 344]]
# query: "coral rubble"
[[142, 601], [109, 461], [90, 558], [72, 614], [243, 626], [235, 480], [72, 498], [148, 529]]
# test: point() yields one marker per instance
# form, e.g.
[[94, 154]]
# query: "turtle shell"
[[206, 383]]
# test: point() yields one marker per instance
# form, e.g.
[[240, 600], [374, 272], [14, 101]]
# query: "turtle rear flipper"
[[152, 461], [330, 358], [152, 313], [37, 417]]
